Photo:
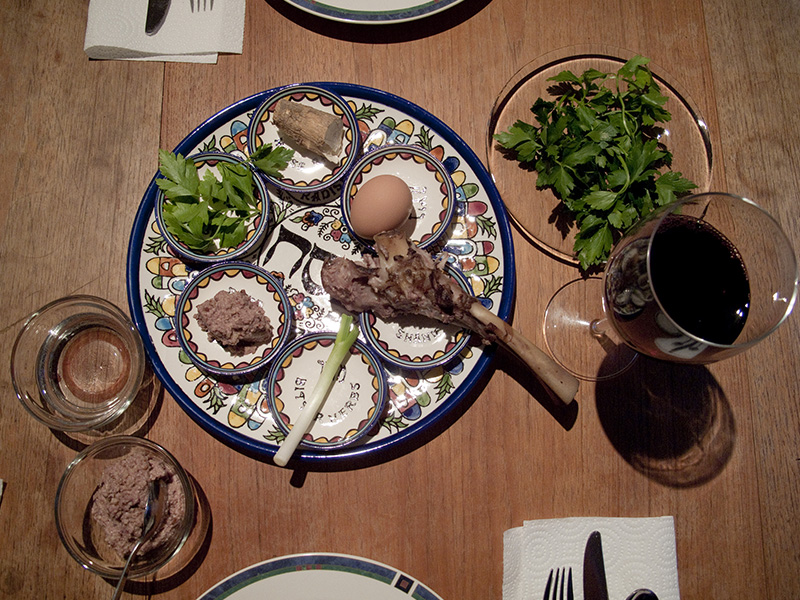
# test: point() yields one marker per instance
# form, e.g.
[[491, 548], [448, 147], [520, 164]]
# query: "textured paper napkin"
[[115, 31], [638, 553]]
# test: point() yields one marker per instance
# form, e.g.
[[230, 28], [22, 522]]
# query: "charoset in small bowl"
[[99, 506]]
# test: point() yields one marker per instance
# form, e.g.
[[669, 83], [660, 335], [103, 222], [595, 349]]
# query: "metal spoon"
[[643, 594], [153, 509]]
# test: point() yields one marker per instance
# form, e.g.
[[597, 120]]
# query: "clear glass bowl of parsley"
[[582, 143]]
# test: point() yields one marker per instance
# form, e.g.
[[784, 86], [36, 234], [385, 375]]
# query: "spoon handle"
[[124, 575]]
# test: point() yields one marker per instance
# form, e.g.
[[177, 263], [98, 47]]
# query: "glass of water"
[[77, 363]]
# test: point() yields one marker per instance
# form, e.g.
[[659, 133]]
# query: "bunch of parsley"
[[596, 146], [209, 213]]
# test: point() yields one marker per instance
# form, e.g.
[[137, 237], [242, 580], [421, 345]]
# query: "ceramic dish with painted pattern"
[[415, 342], [433, 194], [256, 228], [262, 288], [355, 404], [309, 178]]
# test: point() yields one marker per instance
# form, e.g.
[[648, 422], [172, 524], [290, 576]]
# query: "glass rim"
[[107, 411], [669, 209]]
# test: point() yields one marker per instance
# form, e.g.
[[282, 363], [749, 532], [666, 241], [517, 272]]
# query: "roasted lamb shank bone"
[[406, 280]]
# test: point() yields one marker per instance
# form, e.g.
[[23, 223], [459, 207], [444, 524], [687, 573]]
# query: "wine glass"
[[696, 281]]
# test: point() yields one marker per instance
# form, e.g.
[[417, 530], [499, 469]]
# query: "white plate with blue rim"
[[319, 575], [367, 12]]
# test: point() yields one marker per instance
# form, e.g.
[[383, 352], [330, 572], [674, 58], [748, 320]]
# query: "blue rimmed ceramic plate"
[[307, 174], [263, 288], [416, 342], [354, 404], [299, 240], [319, 575], [433, 194], [256, 227]]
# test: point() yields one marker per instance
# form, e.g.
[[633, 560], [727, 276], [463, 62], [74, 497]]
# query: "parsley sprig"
[[208, 213], [596, 146]]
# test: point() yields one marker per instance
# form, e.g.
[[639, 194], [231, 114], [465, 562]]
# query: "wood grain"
[[716, 447]]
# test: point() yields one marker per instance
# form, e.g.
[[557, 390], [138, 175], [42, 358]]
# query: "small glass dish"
[[355, 404], [77, 363], [415, 342], [259, 285], [256, 227], [537, 212], [433, 193], [86, 528], [308, 175]]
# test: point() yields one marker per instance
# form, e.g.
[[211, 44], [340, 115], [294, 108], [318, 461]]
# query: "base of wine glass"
[[578, 335]]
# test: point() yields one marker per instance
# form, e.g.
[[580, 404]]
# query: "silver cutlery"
[[201, 5], [559, 583], [156, 15], [594, 573], [153, 511]]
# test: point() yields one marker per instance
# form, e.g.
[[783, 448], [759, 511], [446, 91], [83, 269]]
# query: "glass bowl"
[[77, 363], [110, 472], [537, 212]]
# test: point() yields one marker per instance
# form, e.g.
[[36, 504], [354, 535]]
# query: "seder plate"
[[300, 238]]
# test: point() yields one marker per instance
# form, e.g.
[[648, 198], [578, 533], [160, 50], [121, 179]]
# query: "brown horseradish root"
[[314, 130]]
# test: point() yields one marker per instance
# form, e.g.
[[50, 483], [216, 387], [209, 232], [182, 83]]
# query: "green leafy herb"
[[596, 146], [271, 161], [207, 213]]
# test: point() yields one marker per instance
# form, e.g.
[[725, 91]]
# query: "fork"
[[202, 5], [553, 591]]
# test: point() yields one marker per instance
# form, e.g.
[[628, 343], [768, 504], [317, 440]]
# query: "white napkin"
[[115, 30], [638, 553]]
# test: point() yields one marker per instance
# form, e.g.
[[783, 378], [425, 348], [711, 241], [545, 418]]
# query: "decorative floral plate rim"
[[343, 575], [481, 241]]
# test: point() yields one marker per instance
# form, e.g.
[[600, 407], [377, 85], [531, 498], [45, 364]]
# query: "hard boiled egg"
[[382, 203]]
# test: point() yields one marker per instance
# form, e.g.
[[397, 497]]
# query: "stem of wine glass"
[[580, 337]]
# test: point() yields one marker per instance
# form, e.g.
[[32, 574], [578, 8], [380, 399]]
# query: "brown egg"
[[381, 204]]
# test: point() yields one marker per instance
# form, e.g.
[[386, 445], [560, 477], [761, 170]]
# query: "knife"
[[594, 573], [156, 15]]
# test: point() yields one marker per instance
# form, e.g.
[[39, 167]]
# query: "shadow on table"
[[136, 420], [564, 414], [670, 422], [383, 33]]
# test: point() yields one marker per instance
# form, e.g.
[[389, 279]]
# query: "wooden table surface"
[[79, 146]]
